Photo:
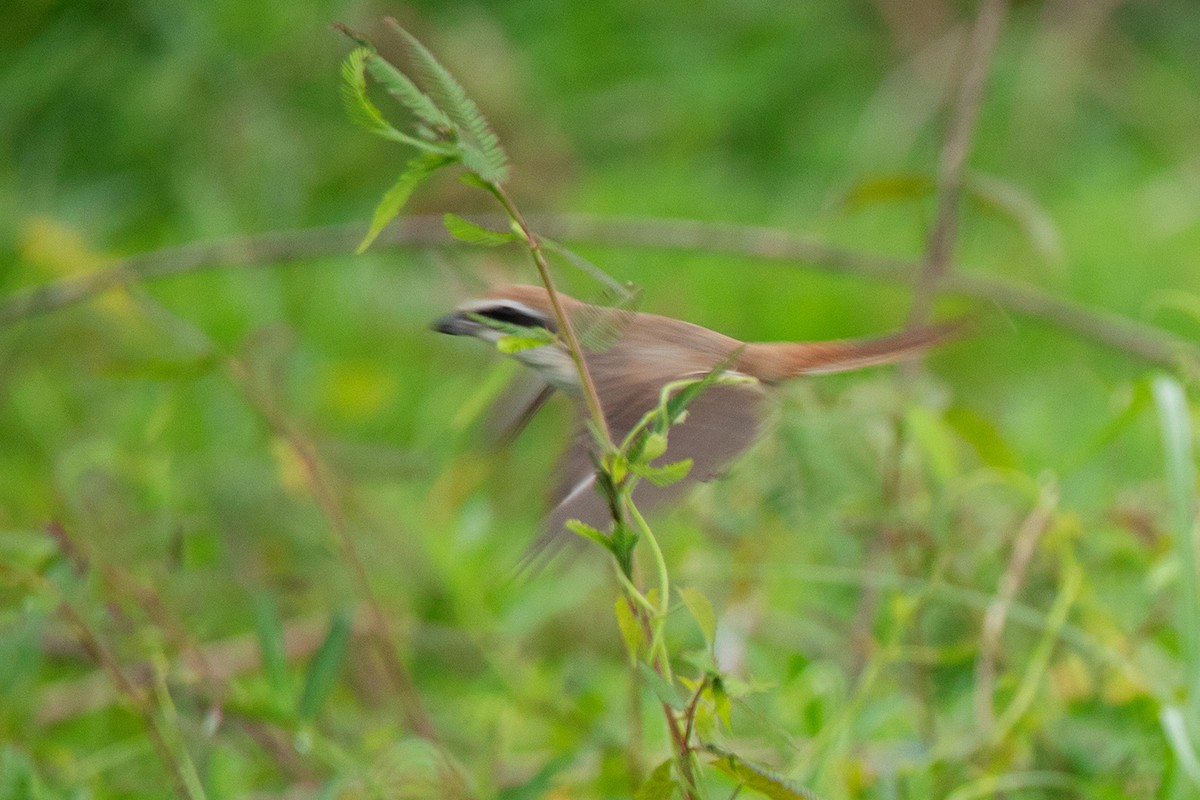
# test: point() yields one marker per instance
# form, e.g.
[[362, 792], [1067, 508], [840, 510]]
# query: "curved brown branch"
[[952, 163], [770, 244]]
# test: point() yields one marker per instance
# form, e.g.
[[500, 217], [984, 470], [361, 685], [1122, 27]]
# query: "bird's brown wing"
[[722, 422]]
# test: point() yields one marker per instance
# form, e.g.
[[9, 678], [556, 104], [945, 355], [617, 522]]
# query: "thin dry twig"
[[997, 611], [590, 396], [1104, 328], [99, 690], [952, 163], [136, 696], [226, 659]]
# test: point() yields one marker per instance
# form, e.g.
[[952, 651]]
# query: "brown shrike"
[[648, 352]]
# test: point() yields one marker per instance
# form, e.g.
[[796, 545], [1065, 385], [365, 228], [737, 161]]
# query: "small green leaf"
[[623, 540], [400, 87], [701, 610], [664, 691], [358, 105], [323, 668], [617, 466], [394, 200], [631, 631], [659, 785], [480, 148], [475, 182], [666, 474], [510, 344], [759, 778], [722, 705], [654, 446], [674, 399], [588, 532], [466, 231]]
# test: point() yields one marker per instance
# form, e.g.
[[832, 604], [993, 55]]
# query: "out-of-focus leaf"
[[413, 769], [659, 785], [324, 666], [269, 630], [1012, 203], [934, 437], [163, 369], [395, 198], [759, 778], [991, 194], [1137, 400], [19, 779], [662, 690], [290, 469], [29, 551], [877, 189], [982, 435], [1186, 303], [701, 610], [57, 249], [631, 631], [539, 786], [1176, 425]]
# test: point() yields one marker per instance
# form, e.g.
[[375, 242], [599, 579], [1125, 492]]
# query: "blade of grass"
[[1180, 469], [1182, 726], [323, 669]]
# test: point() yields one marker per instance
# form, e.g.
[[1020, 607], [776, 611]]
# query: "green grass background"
[[851, 556]]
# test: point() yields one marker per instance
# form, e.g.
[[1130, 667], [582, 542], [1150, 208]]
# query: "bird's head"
[[507, 307], [505, 312]]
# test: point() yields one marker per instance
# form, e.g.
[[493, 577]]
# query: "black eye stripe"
[[514, 316]]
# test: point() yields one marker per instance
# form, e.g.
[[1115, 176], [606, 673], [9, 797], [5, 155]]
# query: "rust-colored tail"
[[772, 362]]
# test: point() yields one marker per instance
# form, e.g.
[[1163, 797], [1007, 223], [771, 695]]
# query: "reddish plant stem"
[[574, 349]]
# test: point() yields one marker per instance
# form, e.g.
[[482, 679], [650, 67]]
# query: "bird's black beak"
[[453, 323]]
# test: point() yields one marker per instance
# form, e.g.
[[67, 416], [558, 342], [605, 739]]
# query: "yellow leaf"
[[60, 252], [359, 389], [1123, 686], [1071, 679], [289, 468]]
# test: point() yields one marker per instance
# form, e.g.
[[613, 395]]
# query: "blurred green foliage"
[[153, 442]]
